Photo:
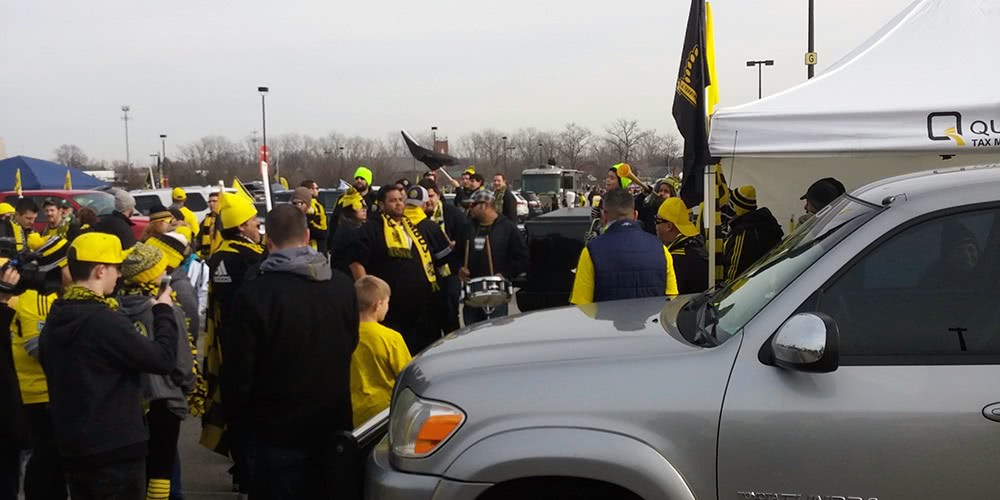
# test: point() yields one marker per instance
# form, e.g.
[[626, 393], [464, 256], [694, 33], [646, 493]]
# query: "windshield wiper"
[[707, 318]]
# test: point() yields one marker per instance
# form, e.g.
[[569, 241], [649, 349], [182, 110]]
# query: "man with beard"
[[494, 247], [363, 185], [391, 248]]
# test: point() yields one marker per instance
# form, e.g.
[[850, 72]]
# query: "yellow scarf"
[[77, 292], [414, 214], [395, 240]]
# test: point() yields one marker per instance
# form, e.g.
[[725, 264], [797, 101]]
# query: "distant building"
[[441, 145]]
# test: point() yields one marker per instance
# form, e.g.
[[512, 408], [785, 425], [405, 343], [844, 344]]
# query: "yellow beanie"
[[235, 209], [144, 264]]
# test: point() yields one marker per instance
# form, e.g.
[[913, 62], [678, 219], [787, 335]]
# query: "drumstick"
[[466, 255], [489, 255]]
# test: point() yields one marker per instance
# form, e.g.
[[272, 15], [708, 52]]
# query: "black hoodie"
[[93, 360], [751, 235]]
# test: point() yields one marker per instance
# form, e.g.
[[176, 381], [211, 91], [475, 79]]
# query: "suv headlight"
[[418, 426]]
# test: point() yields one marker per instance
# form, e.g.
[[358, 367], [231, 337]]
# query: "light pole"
[[760, 64], [504, 139], [434, 138], [152, 180], [541, 158], [341, 149], [163, 146], [265, 172], [125, 110], [263, 120]]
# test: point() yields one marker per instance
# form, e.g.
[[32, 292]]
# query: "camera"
[[40, 269]]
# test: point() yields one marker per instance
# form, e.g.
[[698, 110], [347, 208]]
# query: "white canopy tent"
[[920, 94]]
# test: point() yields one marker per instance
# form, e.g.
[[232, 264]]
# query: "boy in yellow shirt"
[[381, 354]]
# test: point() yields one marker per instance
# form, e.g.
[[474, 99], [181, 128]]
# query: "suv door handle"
[[992, 412]]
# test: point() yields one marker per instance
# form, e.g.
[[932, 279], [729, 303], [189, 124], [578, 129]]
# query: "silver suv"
[[860, 359]]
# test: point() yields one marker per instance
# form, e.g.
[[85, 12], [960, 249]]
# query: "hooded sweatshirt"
[[94, 362], [172, 387], [751, 235], [287, 376]]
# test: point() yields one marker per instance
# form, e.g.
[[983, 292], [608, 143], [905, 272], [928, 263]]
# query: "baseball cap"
[[823, 191], [416, 196], [675, 212], [481, 196], [178, 194], [99, 248], [6, 208]]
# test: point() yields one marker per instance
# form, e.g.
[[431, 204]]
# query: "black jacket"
[[509, 205], [118, 224], [690, 263], [507, 246], [751, 235], [287, 374], [93, 360]]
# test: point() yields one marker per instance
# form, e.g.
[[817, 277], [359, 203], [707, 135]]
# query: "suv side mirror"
[[807, 342]]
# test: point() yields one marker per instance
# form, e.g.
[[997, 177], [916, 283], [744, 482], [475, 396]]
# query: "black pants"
[[10, 469], [44, 477], [120, 481], [452, 289], [164, 428]]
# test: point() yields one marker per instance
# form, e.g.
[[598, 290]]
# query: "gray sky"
[[190, 68]]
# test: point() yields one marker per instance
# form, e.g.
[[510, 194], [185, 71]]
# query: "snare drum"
[[488, 291]]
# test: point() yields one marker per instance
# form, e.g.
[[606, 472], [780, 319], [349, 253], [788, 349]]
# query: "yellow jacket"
[[380, 356], [30, 311]]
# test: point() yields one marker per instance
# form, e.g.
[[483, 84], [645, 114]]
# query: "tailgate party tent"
[[41, 174], [920, 94]]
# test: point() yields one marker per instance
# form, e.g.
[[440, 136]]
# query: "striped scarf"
[[77, 292]]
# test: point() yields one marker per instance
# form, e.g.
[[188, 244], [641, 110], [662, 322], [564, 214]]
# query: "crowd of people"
[[305, 331]]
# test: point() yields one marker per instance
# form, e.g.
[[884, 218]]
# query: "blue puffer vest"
[[628, 263]]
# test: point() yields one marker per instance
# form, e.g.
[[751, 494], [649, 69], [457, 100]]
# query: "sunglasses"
[[299, 203], [659, 221]]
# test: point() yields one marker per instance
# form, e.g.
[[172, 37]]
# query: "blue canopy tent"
[[41, 174]]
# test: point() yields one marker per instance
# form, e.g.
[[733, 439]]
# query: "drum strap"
[[489, 255]]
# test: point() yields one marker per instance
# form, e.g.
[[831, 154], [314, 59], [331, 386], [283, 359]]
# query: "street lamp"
[[341, 149], [263, 120], [760, 64], [163, 146], [125, 110], [152, 180], [541, 159], [434, 138]]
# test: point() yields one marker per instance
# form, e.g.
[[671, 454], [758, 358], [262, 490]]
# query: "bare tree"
[[623, 136], [71, 155], [573, 141]]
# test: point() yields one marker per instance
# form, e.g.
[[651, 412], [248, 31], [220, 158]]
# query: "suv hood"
[[605, 330]]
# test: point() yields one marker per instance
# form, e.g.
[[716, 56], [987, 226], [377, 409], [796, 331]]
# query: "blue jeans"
[[476, 314]]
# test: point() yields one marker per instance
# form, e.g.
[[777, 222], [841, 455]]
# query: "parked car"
[[197, 198], [100, 201], [854, 360], [534, 204], [327, 196]]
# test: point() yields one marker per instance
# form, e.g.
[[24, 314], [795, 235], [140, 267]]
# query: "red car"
[[101, 202]]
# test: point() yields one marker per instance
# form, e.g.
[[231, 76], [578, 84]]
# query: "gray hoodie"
[[303, 261], [175, 386]]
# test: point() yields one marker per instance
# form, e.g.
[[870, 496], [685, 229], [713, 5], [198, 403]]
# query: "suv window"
[[196, 202], [926, 294], [145, 202]]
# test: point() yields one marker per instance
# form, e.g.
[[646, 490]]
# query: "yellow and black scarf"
[[401, 238], [77, 292]]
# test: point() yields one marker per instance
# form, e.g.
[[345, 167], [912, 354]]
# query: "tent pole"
[[708, 215]]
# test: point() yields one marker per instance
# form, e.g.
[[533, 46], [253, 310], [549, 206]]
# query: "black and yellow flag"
[[689, 105]]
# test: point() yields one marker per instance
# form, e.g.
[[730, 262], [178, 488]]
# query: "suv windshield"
[[733, 306], [102, 203]]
